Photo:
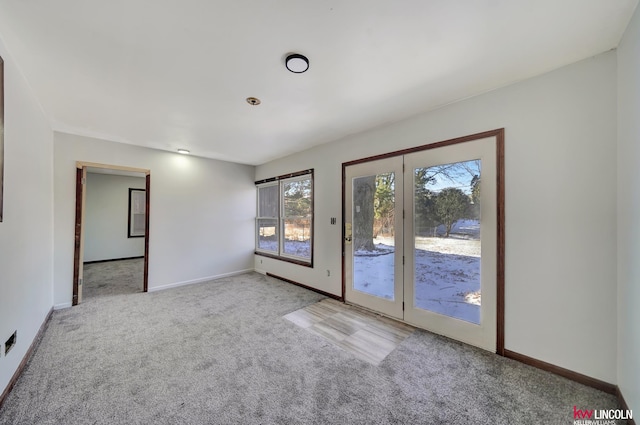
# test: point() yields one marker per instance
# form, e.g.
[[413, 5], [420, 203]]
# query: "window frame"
[[279, 181], [134, 210], [260, 217]]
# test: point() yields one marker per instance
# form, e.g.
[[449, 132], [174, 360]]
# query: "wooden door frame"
[[81, 168], [500, 201]]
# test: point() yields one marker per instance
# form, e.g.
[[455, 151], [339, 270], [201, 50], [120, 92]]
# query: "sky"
[[461, 174]]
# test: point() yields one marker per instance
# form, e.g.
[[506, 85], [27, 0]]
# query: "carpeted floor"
[[221, 353], [113, 278]]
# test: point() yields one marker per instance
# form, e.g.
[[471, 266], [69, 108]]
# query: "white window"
[[284, 222], [267, 220]]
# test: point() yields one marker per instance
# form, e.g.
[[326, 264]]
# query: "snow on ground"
[[299, 248], [291, 247], [447, 275], [461, 229], [448, 284], [447, 270]]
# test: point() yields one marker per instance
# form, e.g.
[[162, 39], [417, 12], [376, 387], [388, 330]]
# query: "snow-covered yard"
[[447, 274], [291, 247], [447, 278]]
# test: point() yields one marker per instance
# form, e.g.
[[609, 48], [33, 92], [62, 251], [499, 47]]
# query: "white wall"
[[26, 234], [629, 214], [560, 206], [106, 218], [201, 212]]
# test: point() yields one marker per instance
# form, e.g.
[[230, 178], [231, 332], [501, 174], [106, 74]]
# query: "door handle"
[[347, 233]]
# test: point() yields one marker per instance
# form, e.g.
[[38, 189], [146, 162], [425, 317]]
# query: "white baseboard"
[[61, 306], [264, 272], [199, 280]]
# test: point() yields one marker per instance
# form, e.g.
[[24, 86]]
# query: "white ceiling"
[[175, 73]]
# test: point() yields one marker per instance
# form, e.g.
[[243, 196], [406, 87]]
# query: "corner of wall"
[[628, 211]]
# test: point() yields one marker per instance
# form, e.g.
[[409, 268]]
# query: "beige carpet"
[[221, 352], [111, 278]]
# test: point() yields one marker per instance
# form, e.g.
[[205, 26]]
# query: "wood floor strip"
[[302, 318], [369, 337]]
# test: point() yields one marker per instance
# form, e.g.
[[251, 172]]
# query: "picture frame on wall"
[[137, 213], [1, 135]]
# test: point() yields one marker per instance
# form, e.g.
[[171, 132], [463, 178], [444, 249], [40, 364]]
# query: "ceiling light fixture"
[[253, 101], [184, 151], [297, 63]]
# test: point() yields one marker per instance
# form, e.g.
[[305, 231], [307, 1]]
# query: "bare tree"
[[373, 200], [364, 189]]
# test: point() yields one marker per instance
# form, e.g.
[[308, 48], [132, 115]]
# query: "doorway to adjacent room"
[[137, 226]]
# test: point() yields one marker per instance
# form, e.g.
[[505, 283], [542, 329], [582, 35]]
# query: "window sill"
[[285, 259]]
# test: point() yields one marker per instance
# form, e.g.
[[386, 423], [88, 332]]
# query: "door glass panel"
[[447, 240], [374, 235]]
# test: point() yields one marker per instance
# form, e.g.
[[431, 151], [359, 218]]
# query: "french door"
[[373, 247], [421, 239]]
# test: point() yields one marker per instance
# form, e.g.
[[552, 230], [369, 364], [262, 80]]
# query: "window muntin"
[[284, 222]]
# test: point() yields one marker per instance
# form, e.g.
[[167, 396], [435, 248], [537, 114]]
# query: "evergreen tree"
[[451, 204]]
